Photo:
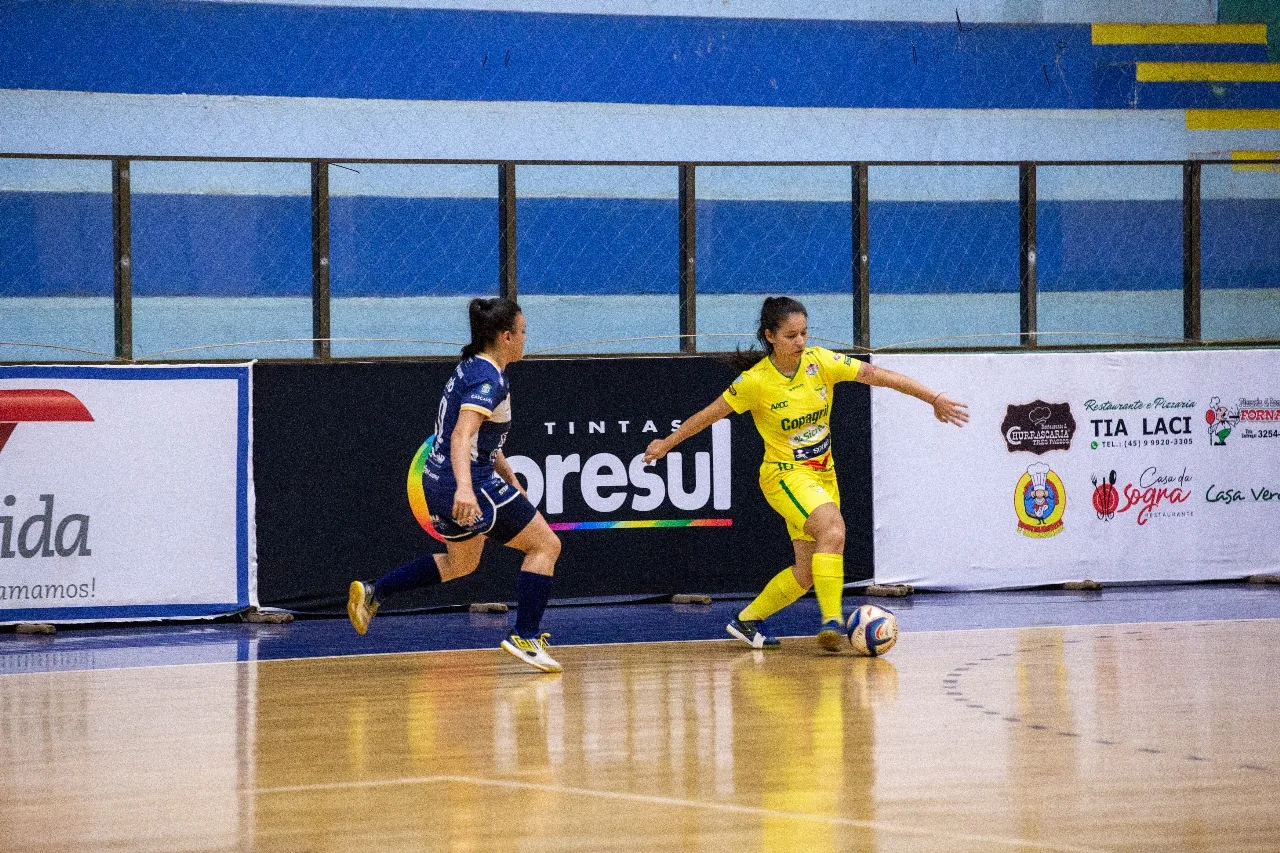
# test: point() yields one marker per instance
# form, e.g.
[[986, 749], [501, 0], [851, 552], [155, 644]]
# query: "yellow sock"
[[828, 583], [777, 594]]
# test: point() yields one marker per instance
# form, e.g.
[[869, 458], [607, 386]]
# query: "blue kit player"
[[471, 492]]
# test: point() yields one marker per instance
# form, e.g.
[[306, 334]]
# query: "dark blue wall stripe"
[[413, 246], [943, 247], [1118, 89], [1223, 96], [1239, 243], [196, 245], [156, 47], [147, 46], [1109, 245], [768, 247], [582, 245], [260, 246], [1130, 53], [55, 244]]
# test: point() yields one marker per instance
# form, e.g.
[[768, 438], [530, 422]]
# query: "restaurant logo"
[[1039, 500], [1038, 427]]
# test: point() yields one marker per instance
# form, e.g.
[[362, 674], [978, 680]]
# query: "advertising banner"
[[339, 495], [1120, 467], [125, 493]]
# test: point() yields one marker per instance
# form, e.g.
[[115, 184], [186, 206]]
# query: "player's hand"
[[949, 411], [655, 451], [466, 509]]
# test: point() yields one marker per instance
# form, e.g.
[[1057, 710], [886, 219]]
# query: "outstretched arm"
[[945, 409], [660, 447]]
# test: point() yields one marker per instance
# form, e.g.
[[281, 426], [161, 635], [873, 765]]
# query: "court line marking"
[[731, 640], [46, 672], [653, 799]]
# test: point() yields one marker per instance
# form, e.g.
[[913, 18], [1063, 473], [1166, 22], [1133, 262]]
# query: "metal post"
[[1027, 253], [688, 248], [861, 270], [1191, 251], [122, 251], [507, 231], [320, 314]]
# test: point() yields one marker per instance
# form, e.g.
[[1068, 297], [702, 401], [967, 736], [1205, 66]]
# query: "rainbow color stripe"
[[632, 525], [418, 498], [418, 503]]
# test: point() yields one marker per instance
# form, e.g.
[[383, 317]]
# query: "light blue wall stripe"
[[987, 11], [34, 122]]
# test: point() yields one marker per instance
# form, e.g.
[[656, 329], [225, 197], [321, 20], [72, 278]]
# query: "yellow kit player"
[[789, 394]]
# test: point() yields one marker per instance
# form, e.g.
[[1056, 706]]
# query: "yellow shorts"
[[795, 491]]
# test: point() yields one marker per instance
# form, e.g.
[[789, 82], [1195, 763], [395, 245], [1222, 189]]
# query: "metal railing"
[[686, 259]]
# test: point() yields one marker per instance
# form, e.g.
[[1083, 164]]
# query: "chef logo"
[[1039, 500], [1037, 427]]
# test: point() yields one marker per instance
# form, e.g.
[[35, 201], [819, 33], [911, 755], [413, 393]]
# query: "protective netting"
[[221, 254]]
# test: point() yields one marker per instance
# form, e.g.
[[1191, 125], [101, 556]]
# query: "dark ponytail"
[[773, 313], [489, 318]]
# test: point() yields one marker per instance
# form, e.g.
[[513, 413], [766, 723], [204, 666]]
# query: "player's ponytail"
[[773, 313], [489, 318]]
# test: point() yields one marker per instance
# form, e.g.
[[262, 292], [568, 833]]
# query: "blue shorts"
[[504, 511]]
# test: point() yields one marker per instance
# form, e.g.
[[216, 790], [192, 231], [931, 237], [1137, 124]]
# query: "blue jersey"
[[476, 384]]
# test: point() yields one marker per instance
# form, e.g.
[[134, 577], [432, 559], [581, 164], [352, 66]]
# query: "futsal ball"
[[872, 630]]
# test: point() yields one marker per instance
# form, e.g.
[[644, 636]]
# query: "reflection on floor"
[[190, 643], [1133, 719]]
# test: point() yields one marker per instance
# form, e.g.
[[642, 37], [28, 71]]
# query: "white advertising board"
[[1118, 466], [125, 492]]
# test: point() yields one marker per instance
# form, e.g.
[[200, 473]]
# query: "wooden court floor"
[[1141, 737]]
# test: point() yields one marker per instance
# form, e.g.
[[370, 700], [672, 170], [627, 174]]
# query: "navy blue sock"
[[532, 592], [415, 574]]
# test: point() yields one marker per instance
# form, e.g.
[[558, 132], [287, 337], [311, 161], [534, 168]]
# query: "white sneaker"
[[360, 605], [532, 652]]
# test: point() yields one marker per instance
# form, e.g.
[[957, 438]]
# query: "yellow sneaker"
[[532, 652], [360, 605], [830, 635]]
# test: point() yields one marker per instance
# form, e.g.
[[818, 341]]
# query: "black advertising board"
[[333, 446]]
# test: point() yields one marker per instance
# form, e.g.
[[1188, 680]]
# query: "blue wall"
[[204, 245], [430, 54], [55, 244]]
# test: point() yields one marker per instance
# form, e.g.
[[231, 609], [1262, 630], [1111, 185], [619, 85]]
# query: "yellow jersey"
[[793, 413]]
